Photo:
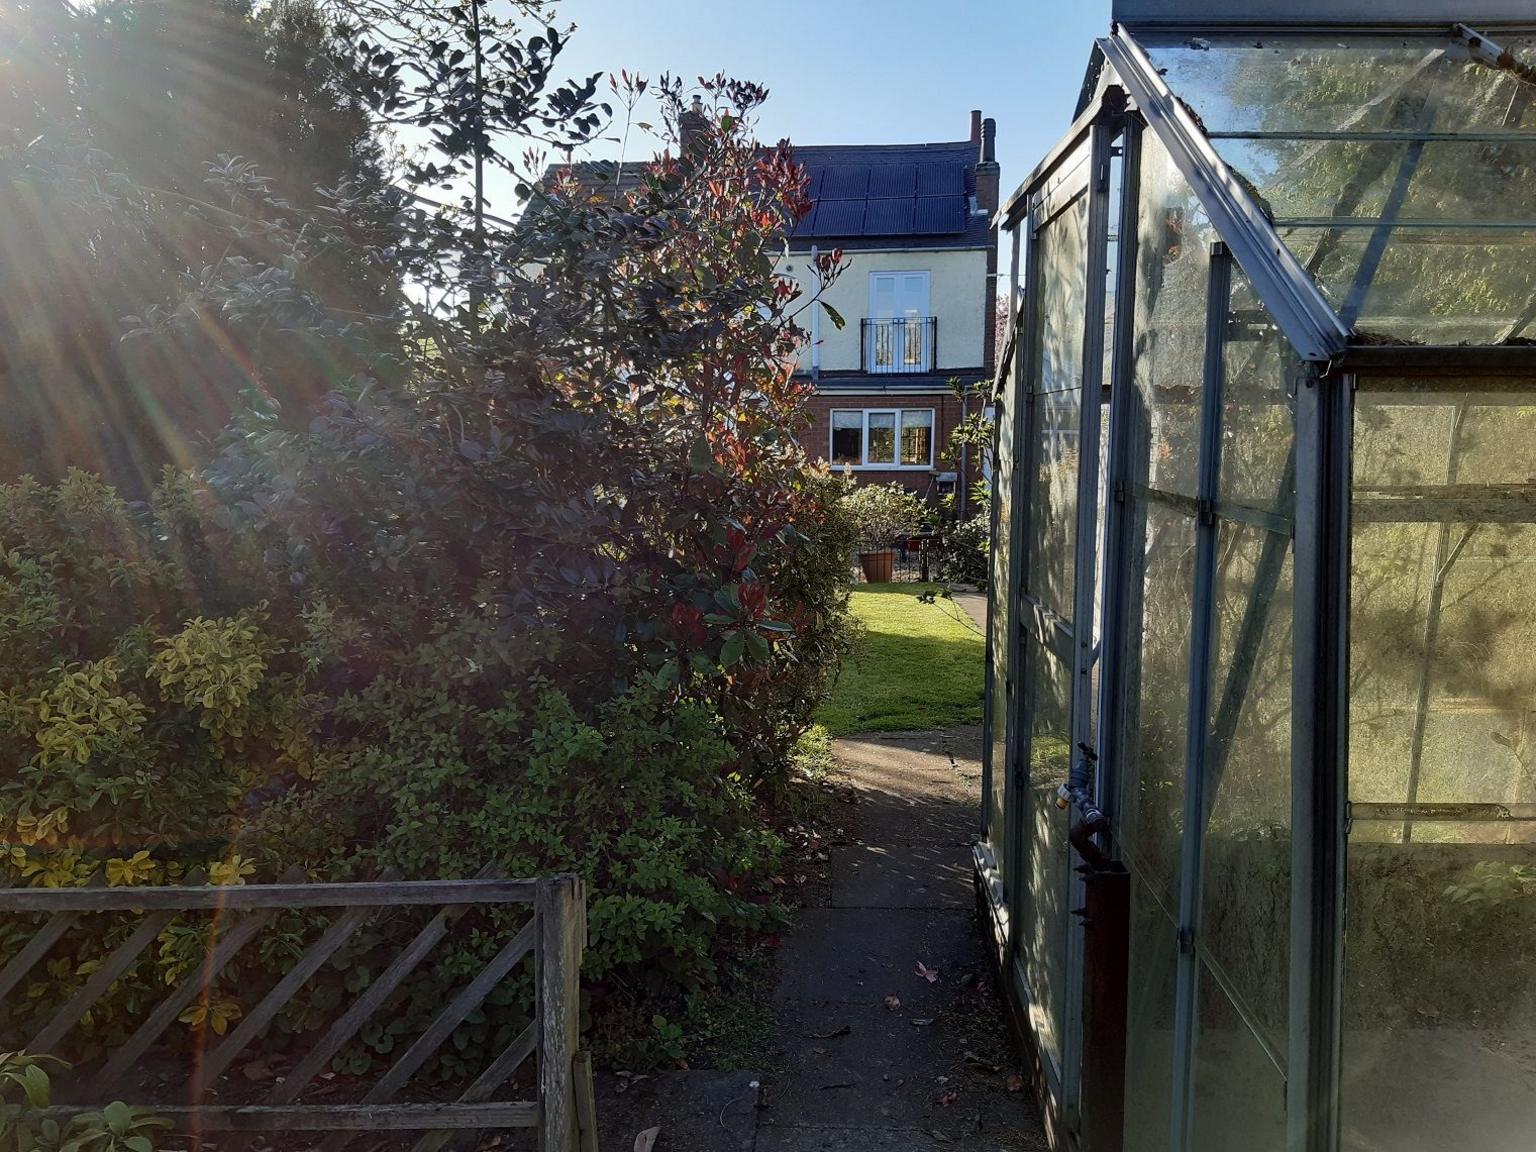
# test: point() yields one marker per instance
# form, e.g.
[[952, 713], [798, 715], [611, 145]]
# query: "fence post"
[[562, 931]]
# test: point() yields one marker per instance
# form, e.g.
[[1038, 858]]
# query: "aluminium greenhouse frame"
[[1094, 171]]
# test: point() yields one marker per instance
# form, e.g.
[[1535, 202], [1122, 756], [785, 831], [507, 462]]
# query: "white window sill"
[[882, 467]]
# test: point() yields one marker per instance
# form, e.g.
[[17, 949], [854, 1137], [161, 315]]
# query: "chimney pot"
[[975, 125], [691, 126], [989, 141]]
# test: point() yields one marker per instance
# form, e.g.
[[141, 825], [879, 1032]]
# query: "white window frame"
[[865, 413], [924, 361]]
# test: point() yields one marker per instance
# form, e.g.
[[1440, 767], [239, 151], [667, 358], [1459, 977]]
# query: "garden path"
[[872, 1055], [890, 1024]]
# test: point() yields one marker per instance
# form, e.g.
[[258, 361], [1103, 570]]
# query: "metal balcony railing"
[[902, 344]]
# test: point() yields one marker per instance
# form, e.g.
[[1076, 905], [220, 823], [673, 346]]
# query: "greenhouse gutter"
[[1290, 294]]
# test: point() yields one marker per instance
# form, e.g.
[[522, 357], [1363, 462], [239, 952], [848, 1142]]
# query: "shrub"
[[548, 584], [882, 514], [965, 556]]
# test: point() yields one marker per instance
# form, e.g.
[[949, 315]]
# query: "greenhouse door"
[[1058, 503]]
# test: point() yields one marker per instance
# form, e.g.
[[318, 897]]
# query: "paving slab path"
[[873, 1055], [891, 1028]]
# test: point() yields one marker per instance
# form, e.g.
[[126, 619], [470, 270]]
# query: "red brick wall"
[[817, 439]]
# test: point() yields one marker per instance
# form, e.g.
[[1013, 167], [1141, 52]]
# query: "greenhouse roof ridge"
[[1318, 13]]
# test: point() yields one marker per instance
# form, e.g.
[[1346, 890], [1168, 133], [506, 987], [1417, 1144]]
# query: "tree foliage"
[[546, 582], [109, 117]]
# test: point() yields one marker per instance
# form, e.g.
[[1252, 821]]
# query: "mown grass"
[[916, 666]]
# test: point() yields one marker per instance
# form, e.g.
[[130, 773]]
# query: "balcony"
[[903, 345]]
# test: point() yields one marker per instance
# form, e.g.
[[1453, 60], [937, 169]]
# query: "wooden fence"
[[554, 934]]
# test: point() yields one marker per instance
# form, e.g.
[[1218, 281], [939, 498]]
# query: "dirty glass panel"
[[1440, 956], [1173, 262], [1299, 82], [1063, 298], [1047, 876], [1053, 509], [1151, 803], [1472, 181], [1422, 154], [1258, 468], [1056, 421], [1002, 623], [1245, 890], [1149, 1023], [1239, 1099], [1425, 285]]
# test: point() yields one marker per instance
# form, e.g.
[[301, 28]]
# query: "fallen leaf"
[[840, 1030], [972, 1058], [948, 1098], [259, 1069], [647, 1139], [1015, 1083], [926, 972], [818, 1051], [922, 1021], [893, 1003]]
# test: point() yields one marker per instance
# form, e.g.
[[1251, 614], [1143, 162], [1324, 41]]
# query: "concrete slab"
[[696, 1111], [898, 1069], [890, 820], [828, 1138], [862, 955], [924, 875], [973, 604]]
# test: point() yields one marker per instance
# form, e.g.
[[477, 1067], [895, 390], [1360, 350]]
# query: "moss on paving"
[[916, 666]]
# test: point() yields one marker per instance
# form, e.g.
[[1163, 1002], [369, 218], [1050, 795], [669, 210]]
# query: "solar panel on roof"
[[892, 180], [807, 224], [888, 217], [939, 215], [813, 181], [845, 181], [839, 218], [941, 180]]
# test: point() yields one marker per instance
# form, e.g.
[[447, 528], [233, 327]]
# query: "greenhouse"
[[1259, 815]]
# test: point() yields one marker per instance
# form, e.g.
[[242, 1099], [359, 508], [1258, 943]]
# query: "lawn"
[[916, 666]]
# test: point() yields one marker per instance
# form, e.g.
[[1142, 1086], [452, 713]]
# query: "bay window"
[[882, 438]]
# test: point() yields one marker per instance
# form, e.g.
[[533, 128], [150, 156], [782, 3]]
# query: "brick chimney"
[[984, 135], [988, 178], [691, 126]]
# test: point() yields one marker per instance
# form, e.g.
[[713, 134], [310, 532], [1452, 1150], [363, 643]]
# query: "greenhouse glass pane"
[[1258, 412], [1001, 710], [1472, 181], [1173, 264], [1151, 806], [1239, 1091], [1246, 882], [1300, 82], [1396, 168], [1047, 866], [1428, 286], [1149, 1023], [1063, 298], [1440, 956], [1053, 510], [1058, 383]]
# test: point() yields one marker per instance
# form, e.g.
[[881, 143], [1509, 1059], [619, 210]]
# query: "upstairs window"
[[882, 438]]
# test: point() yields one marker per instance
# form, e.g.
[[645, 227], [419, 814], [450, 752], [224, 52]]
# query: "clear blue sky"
[[857, 72]]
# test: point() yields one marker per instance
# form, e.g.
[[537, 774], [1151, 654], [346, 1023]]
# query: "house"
[[917, 294]]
